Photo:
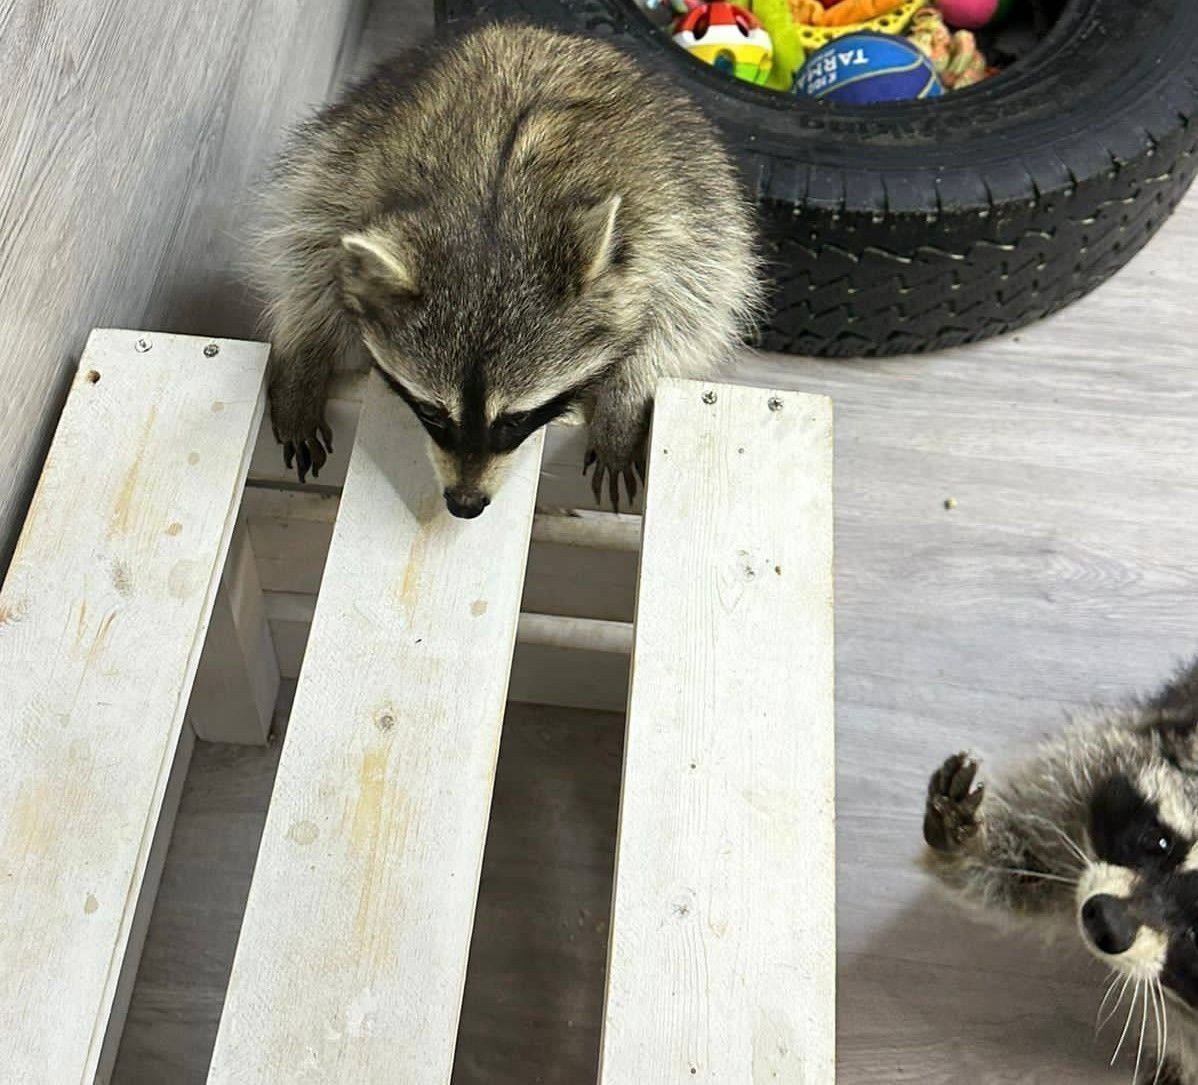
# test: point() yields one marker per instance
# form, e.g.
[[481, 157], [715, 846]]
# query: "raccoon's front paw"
[[615, 454], [632, 473], [951, 819], [307, 443]]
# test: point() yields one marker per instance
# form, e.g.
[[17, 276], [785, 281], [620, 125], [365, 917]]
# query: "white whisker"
[[1162, 1036], [1131, 1010], [1038, 874], [1119, 1002], [1135, 1074], [1069, 841], [1165, 1021], [1115, 977]]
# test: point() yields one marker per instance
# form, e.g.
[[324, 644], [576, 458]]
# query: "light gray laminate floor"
[[1065, 573]]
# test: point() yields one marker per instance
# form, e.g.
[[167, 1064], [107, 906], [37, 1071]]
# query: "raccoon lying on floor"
[[512, 226], [1098, 833]]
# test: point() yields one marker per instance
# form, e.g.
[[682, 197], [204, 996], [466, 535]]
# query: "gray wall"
[[129, 133]]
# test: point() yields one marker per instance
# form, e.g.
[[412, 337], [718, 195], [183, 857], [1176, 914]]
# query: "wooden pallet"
[[401, 624]]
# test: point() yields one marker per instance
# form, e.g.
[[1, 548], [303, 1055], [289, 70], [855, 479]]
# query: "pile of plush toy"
[[847, 51]]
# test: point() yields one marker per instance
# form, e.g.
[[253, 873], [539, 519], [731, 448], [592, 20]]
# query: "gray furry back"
[[507, 226]]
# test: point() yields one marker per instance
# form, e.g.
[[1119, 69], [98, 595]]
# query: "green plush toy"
[[789, 54]]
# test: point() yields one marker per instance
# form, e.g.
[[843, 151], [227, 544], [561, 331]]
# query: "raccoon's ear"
[[598, 238], [375, 273]]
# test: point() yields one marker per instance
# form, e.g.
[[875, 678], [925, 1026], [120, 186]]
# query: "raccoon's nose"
[[1109, 924], [466, 503]]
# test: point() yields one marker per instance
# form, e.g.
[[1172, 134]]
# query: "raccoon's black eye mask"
[[509, 430], [505, 433], [1127, 830]]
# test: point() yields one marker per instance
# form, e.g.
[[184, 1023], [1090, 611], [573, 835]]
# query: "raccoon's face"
[[488, 336], [1137, 904], [470, 441]]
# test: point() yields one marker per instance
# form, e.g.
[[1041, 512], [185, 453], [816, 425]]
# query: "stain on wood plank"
[[122, 509]]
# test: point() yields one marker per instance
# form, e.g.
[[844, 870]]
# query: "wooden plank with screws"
[[723, 950], [102, 621], [352, 956]]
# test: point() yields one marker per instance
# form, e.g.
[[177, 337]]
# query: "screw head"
[[142, 345], [775, 403], [211, 350], [709, 396]]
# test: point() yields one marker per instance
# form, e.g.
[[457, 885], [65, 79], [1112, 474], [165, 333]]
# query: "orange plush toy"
[[848, 12], [818, 26], [843, 13]]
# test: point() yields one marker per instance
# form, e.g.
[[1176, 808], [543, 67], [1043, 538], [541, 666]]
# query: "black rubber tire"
[[922, 225]]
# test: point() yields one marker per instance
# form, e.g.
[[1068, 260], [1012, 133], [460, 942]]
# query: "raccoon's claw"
[[617, 446], [951, 813], [612, 476], [630, 482], [309, 453], [305, 456]]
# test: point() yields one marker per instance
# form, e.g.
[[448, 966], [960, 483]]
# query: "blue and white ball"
[[868, 67]]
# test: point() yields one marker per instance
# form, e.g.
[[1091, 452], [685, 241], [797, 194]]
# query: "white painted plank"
[[575, 634], [233, 699], [588, 529], [352, 957], [723, 949], [102, 619]]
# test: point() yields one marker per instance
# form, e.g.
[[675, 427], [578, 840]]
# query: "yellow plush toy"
[[789, 53]]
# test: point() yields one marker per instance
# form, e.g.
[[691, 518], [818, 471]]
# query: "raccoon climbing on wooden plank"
[[508, 226], [1095, 835]]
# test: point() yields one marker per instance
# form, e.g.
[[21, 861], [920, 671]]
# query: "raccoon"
[[1096, 835], [509, 226]]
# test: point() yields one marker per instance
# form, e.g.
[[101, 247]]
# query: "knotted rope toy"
[[955, 55]]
